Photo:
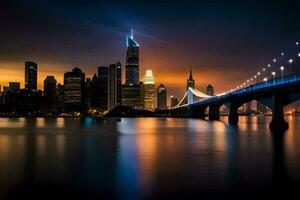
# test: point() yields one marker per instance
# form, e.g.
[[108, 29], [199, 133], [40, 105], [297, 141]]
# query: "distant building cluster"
[[78, 93]]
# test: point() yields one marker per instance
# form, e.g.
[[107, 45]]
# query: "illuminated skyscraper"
[[210, 90], [190, 82], [31, 76], [161, 97], [74, 90], [132, 90], [132, 61], [114, 85], [149, 91]]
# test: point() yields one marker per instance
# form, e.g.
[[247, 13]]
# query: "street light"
[[273, 74], [282, 69], [291, 62], [269, 65], [274, 60]]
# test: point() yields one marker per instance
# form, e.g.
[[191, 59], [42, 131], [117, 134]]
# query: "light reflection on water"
[[147, 158]]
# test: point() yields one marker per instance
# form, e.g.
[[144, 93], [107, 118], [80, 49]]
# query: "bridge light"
[[273, 73], [265, 79], [248, 81], [258, 73], [255, 76], [290, 61], [264, 69], [274, 60], [269, 65], [297, 43], [282, 54], [282, 68], [298, 54], [251, 79]]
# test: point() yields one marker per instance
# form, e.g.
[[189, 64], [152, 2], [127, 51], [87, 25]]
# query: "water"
[[147, 158]]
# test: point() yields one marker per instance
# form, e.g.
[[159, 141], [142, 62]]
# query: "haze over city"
[[220, 40]]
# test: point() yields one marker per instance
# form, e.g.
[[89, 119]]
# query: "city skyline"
[[245, 43]]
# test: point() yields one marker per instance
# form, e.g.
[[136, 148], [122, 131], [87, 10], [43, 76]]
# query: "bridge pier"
[[278, 122], [198, 112], [214, 112], [233, 117]]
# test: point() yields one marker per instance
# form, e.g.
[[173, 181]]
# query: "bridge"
[[274, 92]]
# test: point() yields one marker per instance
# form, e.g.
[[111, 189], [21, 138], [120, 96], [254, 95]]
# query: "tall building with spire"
[[132, 61], [132, 89], [190, 82]]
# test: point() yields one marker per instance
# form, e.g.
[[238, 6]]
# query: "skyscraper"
[[210, 90], [132, 89], [132, 61], [190, 82], [161, 97], [149, 91], [31, 76], [103, 87], [74, 90], [114, 85], [60, 97], [50, 86]]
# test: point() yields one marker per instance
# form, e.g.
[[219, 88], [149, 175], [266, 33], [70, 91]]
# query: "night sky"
[[224, 42]]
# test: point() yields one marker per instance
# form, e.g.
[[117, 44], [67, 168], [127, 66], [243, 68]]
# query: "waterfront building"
[[161, 97], [190, 82], [14, 86], [132, 96], [31, 76], [210, 90], [114, 85], [74, 90], [103, 87], [50, 86], [149, 91]]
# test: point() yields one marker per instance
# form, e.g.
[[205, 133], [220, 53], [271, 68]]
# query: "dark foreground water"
[[147, 158]]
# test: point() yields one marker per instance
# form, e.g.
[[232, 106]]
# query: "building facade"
[[14, 86], [50, 86], [31, 75], [132, 90], [132, 61], [210, 90], [190, 82], [114, 85], [149, 91], [103, 87], [161, 97], [74, 90]]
